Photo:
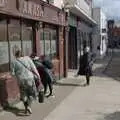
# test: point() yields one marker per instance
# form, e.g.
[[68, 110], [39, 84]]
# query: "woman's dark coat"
[[43, 71], [85, 67]]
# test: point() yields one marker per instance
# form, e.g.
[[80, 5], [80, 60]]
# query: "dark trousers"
[[46, 85], [87, 79]]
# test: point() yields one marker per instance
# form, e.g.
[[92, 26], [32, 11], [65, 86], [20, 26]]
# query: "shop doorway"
[[72, 48]]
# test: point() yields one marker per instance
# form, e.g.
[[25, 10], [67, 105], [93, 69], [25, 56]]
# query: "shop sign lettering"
[[3, 3], [30, 8]]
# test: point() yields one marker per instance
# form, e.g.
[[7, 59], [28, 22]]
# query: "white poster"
[[14, 45], [47, 47], [4, 53], [53, 46], [27, 47], [41, 47]]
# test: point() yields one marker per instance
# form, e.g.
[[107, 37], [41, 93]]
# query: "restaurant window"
[[48, 41], [53, 43], [27, 39], [14, 36], [4, 55], [41, 42]]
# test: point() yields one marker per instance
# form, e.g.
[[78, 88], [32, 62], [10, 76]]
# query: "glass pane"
[[53, 42], [27, 38], [47, 42], [41, 43], [4, 59], [15, 43]]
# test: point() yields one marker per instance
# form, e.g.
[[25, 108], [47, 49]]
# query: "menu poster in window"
[[47, 47], [14, 46], [42, 47], [27, 47], [53, 46], [4, 53]]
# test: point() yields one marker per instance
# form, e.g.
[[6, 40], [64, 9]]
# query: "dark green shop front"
[[72, 42]]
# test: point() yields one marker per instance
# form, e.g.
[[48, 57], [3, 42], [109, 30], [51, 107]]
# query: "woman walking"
[[85, 67], [22, 68], [44, 67]]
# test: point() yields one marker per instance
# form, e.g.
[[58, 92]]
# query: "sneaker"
[[29, 110], [52, 96]]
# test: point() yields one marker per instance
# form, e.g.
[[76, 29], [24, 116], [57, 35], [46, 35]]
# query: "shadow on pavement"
[[16, 111], [112, 116], [114, 70], [114, 74], [67, 84]]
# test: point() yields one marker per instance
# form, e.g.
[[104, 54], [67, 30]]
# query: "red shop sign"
[[30, 8], [3, 3]]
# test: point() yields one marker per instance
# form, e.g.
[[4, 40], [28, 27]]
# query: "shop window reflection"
[[27, 39], [13, 36], [48, 42], [4, 56]]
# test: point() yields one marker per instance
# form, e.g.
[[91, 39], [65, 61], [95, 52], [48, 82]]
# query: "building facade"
[[110, 24], [80, 24], [114, 34], [100, 32], [32, 26]]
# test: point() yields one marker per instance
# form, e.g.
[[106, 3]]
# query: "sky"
[[110, 7]]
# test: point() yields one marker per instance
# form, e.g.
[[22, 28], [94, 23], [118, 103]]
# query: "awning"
[[80, 13]]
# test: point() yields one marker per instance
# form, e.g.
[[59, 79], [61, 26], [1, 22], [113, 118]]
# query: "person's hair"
[[33, 55], [87, 49], [18, 53]]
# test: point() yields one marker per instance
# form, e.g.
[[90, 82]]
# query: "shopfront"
[[84, 36], [15, 34], [32, 26], [72, 42], [49, 40]]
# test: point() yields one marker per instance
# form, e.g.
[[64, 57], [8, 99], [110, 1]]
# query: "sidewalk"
[[62, 89], [99, 101], [65, 102]]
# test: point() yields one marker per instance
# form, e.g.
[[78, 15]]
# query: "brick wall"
[[61, 51], [9, 90]]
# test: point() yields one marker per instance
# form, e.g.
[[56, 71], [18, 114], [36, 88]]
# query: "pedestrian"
[[40, 67], [44, 67], [85, 67], [48, 76], [21, 68]]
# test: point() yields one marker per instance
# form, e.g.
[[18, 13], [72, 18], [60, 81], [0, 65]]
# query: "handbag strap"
[[26, 67], [30, 71]]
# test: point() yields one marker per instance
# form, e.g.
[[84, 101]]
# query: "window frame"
[[49, 28], [15, 23]]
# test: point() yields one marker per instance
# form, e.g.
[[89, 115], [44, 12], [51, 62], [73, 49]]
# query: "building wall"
[[86, 6], [82, 11], [100, 36], [13, 24]]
